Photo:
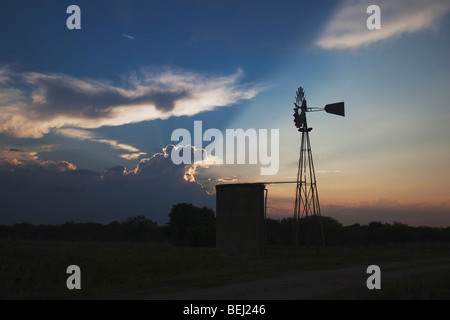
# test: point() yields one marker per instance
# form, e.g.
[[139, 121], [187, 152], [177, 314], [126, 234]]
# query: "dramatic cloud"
[[347, 27], [43, 192], [32, 104], [162, 166], [13, 160]]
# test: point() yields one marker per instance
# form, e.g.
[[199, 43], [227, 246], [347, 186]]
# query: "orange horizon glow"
[[359, 206]]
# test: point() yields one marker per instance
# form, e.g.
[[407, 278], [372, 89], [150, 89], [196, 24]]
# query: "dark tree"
[[192, 226], [140, 228]]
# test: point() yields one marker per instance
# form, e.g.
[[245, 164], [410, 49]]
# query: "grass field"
[[37, 270]]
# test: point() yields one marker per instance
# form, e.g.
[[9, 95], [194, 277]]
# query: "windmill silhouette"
[[308, 227]]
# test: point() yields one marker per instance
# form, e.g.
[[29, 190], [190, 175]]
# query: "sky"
[[87, 115]]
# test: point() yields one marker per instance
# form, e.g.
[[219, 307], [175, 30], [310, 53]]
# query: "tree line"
[[188, 225], [193, 226], [282, 231]]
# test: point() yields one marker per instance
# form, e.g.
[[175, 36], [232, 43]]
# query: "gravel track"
[[306, 285]]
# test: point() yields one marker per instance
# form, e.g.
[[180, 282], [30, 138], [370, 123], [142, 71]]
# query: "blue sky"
[[110, 95]]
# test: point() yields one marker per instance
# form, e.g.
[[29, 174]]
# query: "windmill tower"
[[307, 217]]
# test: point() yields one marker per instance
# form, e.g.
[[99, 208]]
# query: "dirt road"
[[308, 284]]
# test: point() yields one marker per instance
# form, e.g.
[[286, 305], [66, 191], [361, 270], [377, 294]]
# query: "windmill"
[[307, 216]]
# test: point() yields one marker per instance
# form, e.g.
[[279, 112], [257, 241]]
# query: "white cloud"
[[347, 28], [132, 156], [76, 134], [118, 146], [32, 104], [128, 36], [87, 135]]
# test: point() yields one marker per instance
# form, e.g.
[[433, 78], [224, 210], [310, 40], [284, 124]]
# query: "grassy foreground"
[[37, 270]]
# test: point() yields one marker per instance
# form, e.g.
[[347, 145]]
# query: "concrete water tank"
[[240, 218]]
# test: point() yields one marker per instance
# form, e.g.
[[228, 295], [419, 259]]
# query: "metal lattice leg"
[[307, 216]]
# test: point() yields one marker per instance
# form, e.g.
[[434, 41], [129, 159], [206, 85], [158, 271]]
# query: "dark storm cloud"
[[42, 193]]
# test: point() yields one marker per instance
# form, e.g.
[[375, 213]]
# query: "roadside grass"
[[126, 270], [435, 286]]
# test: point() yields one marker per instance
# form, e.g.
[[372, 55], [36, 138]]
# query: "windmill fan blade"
[[335, 108]]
